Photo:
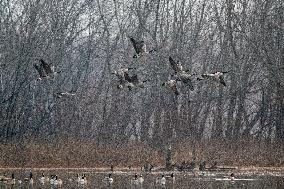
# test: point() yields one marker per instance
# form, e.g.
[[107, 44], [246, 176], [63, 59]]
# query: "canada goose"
[[30, 179], [52, 179], [40, 70], [181, 74], [48, 68], [185, 77], [83, 180], [13, 180], [232, 176], [135, 180], [108, 180], [171, 177], [43, 178], [134, 81], [64, 94], [161, 180], [141, 179], [217, 76], [172, 84], [176, 65], [57, 181], [122, 73], [139, 47], [45, 70]]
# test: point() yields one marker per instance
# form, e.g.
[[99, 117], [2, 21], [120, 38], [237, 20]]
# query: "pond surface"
[[122, 180]]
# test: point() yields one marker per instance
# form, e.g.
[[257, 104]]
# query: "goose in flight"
[[181, 74], [172, 84], [64, 94], [133, 81], [45, 70], [217, 77], [176, 65], [122, 75], [139, 47]]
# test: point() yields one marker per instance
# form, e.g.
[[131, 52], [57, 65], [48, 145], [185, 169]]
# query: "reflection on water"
[[123, 181]]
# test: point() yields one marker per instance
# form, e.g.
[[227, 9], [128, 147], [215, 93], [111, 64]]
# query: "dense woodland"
[[86, 40]]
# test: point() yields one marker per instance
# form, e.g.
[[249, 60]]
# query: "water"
[[122, 180]]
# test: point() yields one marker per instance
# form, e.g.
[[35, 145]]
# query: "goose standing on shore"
[[217, 77]]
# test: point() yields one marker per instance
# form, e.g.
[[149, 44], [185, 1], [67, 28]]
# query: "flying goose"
[[185, 78], [64, 94], [172, 84], [217, 77], [40, 71], [139, 47], [122, 75], [176, 65], [181, 74], [134, 81], [45, 70]]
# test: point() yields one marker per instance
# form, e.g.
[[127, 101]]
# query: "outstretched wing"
[[48, 68], [174, 64], [138, 45], [40, 70], [134, 79], [187, 80], [174, 88], [222, 81]]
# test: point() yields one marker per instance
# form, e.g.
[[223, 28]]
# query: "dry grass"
[[72, 153]]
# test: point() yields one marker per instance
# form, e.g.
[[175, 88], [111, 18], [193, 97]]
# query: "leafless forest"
[[86, 40]]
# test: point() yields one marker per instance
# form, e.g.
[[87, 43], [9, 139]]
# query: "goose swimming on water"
[[108, 180]]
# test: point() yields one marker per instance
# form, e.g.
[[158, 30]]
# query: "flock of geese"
[[54, 180], [180, 73], [126, 80]]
